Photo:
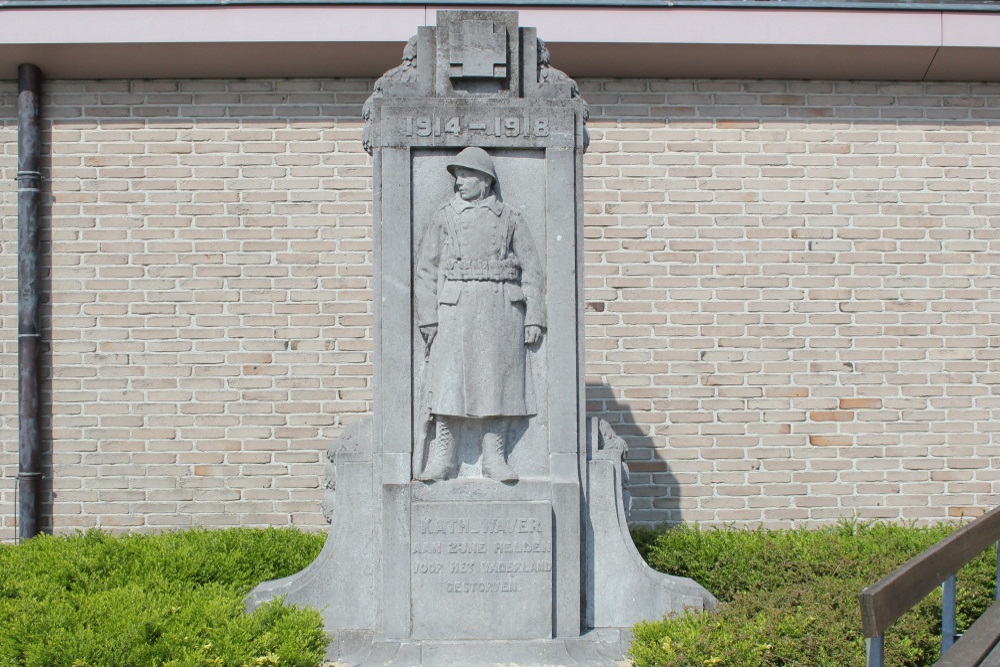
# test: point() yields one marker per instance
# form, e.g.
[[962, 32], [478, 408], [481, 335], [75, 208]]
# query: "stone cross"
[[478, 50]]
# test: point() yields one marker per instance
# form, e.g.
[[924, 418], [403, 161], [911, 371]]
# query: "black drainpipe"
[[29, 149]]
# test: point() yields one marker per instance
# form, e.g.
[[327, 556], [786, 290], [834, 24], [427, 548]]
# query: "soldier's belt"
[[493, 270]]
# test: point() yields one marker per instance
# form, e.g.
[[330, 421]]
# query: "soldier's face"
[[472, 185]]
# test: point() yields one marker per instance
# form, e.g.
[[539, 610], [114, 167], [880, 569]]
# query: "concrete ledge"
[[594, 649]]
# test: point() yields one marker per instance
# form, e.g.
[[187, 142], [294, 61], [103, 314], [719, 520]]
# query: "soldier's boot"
[[441, 458], [494, 457]]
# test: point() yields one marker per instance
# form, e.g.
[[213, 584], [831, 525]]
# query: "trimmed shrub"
[[176, 599], [790, 598]]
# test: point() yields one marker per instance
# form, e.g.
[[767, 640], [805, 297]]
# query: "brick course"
[[791, 297], [8, 306]]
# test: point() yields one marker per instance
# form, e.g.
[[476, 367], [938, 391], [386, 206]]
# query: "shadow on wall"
[[654, 490]]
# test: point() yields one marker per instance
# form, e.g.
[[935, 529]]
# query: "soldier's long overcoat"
[[479, 280]]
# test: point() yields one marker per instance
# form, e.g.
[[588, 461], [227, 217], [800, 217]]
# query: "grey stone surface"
[[593, 649], [353, 445], [621, 589], [349, 550], [476, 519], [472, 561], [479, 299]]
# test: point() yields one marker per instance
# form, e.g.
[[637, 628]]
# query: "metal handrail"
[[883, 603]]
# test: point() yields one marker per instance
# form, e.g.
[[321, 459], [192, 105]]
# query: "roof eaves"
[[880, 5]]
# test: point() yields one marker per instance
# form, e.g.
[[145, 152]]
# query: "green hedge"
[[790, 598], [175, 599]]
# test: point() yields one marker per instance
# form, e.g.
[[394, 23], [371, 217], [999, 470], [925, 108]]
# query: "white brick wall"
[[791, 296], [8, 306]]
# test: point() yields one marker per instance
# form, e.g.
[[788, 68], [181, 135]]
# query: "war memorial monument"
[[478, 517]]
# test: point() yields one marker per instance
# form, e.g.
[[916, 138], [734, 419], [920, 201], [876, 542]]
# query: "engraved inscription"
[[522, 125], [494, 556], [486, 565], [477, 122], [434, 526]]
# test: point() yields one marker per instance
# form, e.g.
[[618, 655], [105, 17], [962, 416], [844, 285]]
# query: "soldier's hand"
[[532, 334], [429, 331]]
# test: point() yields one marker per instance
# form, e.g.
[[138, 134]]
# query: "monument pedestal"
[[594, 649], [476, 518], [482, 569]]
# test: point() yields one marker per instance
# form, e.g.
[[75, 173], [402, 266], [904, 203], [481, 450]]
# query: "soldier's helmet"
[[474, 158]]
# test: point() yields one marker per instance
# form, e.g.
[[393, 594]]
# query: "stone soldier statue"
[[479, 300]]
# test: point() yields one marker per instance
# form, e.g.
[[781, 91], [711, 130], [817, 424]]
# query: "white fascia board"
[[336, 41]]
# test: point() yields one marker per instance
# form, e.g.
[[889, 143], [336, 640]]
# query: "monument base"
[[594, 649], [503, 537]]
